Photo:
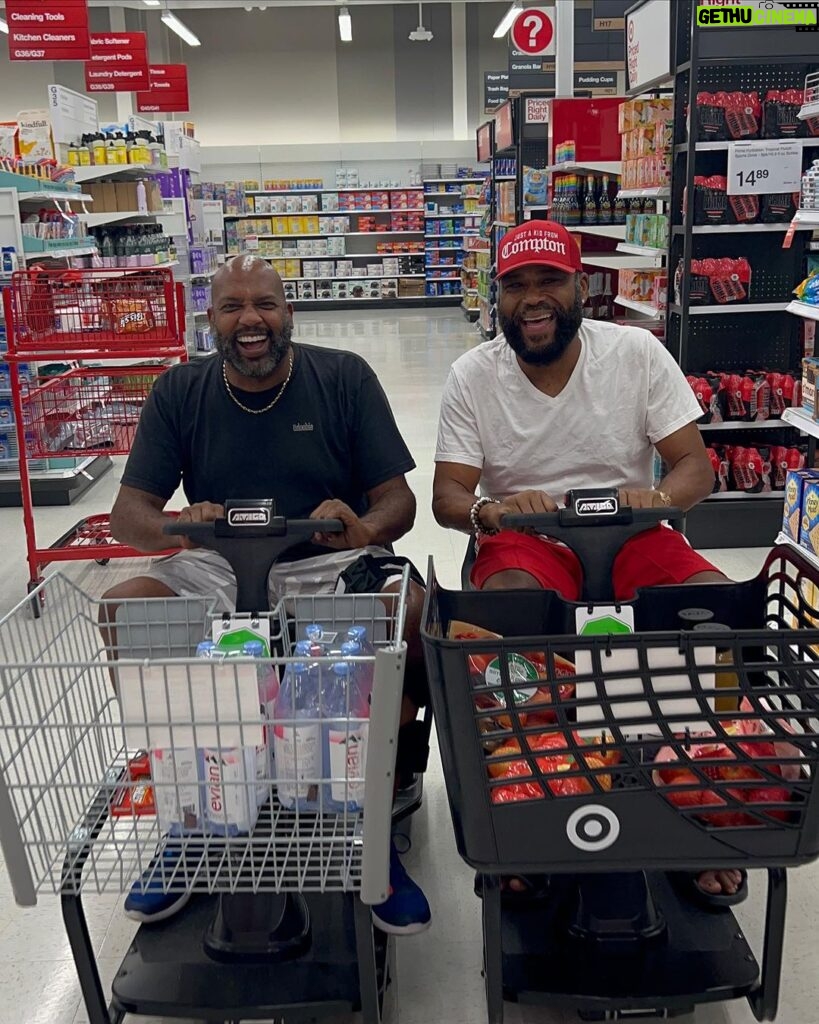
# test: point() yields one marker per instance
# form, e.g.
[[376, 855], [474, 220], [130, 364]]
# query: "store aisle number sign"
[[48, 30], [119, 62], [168, 92], [533, 31], [764, 167]]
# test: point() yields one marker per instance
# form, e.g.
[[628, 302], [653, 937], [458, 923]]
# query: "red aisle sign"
[[168, 92], [48, 29], [533, 31], [119, 62]]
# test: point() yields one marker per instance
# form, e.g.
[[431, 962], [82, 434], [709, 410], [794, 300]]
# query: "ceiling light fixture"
[[345, 25], [152, 3], [420, 34], [182, 30], [506, 21], [4, 26]]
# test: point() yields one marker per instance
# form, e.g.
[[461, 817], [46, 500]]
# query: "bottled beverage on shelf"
[[107, 251], [297, 734], [809, 195], [574, 201], [620, 210], [589, 210], [606, 210]]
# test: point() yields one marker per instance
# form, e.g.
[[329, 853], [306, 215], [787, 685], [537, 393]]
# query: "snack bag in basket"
[[526, 671], [130, 316]]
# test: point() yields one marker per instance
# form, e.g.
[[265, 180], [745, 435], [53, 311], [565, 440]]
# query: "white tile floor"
[[439, 978]]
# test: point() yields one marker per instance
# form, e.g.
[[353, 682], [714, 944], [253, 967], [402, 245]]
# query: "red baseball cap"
[[541, 243]]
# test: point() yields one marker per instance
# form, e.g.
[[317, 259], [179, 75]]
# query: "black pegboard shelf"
[[737, 229], [731, 308]]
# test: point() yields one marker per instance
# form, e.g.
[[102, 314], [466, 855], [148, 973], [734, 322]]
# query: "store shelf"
[[347, 277], [96, 220], [199, 354], [711, 147], [731, 308], [54, 486], [603, 230], [199, 312], [106, 275], [744, 425], [330, 191], [460, 234], [745, 496], [809, 110], [61, 254], [786, 541], [592, 167], [730, 229], [640, 250], [99, 171], [445, 277], [803, 309], [47, 195], [206, 276], [506, 177], [653, 192], [503, 224], [451, 216], [798, 417], [319, 213], [806, 217], [645, 308], [450, 181], [612, 262], [438, 248]]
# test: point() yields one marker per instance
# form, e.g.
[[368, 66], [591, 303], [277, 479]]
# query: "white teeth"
[[252, 339]]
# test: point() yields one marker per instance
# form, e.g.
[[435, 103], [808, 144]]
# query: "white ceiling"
[[190, 5]]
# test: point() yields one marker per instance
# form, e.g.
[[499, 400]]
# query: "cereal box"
[[792, 515], [809, 533], [810, 371]]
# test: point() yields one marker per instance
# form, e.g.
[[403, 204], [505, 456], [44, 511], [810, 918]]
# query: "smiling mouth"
[[538, 321], [251, 343]]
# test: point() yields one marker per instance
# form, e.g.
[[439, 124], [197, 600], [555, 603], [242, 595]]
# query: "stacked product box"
[[645, 286], [646, 127], [648, 229], [800, 520]]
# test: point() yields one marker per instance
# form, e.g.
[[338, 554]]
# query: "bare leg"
[[511, 579], [138, 588]]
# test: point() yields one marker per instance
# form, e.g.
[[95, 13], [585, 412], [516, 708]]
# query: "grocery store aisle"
[[439, 980]]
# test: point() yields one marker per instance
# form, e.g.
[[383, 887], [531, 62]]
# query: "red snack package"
[[738, 391], [760, 396]]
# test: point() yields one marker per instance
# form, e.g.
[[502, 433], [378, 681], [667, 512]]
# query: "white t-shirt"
[[625, 394]]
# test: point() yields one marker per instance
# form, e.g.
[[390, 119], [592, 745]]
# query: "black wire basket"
[[667, 748]]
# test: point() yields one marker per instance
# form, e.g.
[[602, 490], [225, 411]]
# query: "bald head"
[[247, 271]]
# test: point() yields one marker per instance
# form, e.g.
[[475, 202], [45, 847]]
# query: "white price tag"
[[763, 167]]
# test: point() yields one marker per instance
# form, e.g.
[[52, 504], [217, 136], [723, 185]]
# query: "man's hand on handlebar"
[[357, 533], [641, 499], [201, 512], [524, 502]]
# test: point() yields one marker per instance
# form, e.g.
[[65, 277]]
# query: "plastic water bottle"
[[268, 683], [314, 632], [297, 747], [205, 648], [345, 742], [366, 671]]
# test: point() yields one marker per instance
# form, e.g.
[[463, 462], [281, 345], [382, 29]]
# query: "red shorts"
[[654, 558]]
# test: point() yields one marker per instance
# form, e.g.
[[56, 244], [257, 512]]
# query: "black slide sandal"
[[687, 884], [537, 888]]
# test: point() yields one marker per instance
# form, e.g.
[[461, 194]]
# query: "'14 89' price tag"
[[764, 167]]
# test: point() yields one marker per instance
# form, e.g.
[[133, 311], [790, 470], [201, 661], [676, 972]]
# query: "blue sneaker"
[[147, 902], [406, 910]]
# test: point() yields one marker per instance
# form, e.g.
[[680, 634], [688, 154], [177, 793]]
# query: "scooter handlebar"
[[566, 519], [278, 528]]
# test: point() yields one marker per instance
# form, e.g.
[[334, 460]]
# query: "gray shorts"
[[202, 573]]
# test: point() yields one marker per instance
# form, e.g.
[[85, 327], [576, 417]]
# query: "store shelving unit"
[[353, 252], [441, 197], [803, 309], [742, 336]]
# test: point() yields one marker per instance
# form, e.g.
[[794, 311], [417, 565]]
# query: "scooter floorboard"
[[166, 971], [702, 957]]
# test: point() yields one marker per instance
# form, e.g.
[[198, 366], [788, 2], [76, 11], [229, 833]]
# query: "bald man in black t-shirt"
[[267, 418]]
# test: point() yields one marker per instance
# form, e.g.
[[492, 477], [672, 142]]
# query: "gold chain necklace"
[[269, 406]]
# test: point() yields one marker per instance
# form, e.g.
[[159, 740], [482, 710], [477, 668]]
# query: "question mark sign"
[[534, 23]]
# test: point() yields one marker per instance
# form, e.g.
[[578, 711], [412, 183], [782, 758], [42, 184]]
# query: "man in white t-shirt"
[[558, 402]]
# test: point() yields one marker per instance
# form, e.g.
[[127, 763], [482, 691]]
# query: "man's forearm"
[[452, 509], [688, 483], [143, 530], [390, 517]]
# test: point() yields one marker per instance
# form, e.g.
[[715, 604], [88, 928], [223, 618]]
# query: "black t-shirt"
[[332, 435]]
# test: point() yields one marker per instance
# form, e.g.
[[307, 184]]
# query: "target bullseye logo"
[[593, 828]]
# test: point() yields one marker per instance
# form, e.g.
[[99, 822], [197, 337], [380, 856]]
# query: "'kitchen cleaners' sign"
[[48, 30]]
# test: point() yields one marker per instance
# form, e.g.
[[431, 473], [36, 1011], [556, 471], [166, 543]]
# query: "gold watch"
[[665, 498]]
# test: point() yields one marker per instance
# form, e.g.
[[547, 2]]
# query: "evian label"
[[248, 517], [596, 506]]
